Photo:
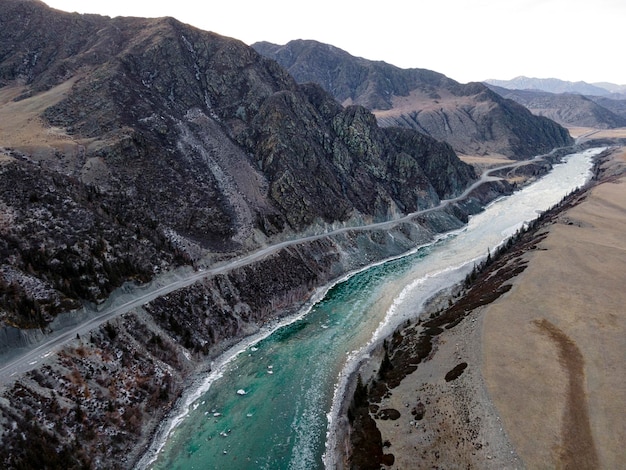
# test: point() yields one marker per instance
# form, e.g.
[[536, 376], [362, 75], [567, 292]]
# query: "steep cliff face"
[[471, 118]]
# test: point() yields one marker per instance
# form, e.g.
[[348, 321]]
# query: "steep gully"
[[29, 359]]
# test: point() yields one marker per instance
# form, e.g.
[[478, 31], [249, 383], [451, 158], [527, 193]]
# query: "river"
[[270, 404]]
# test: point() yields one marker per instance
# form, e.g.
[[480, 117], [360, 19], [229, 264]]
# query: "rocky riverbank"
[[486, 378], [98, 402]]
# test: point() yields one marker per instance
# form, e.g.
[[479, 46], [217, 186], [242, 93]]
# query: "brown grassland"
[[554, 348]]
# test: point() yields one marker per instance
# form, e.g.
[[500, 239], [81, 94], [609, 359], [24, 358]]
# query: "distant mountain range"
[[554, 85], [471, 118], [569, 109]]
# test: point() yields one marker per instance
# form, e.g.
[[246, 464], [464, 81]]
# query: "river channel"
[[272, 403]]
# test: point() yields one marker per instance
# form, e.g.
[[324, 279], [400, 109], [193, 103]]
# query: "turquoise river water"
[[271, 402]]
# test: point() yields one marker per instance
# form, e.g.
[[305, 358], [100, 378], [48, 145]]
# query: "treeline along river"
[[271, 403]]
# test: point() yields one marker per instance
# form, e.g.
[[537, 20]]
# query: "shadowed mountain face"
[[189, 140], [472, 118]]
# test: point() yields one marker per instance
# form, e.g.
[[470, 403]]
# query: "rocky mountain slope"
[[616, 106], [569, 109], [472, 118], [178, 142]]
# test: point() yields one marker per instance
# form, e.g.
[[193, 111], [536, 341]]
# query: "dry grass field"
[[484, 162], [23, 130], [554, 347], [592, 133], [20, 125]]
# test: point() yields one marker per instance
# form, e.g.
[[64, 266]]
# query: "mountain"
[[472, 118], [614, 105], [553, 85], [569, 109], [131, 144]]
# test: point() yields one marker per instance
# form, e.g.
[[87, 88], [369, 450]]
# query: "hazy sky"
[[467, 40]]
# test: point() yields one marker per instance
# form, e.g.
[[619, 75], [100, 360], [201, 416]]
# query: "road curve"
[[30, 359]]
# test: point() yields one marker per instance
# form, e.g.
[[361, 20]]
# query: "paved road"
[[29, 360]]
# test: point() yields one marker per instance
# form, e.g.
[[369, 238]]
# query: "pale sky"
[[467, 40]]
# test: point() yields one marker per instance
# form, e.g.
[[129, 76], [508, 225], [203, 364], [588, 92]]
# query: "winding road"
[[30, 359]]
